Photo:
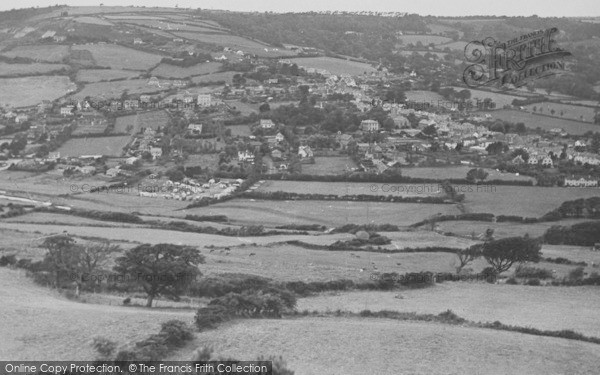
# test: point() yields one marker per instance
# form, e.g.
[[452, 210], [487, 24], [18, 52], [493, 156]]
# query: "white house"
[[305, 152], [21, 117], [582, 182], [267, 124], [66, 110], [547, 161], [279, 137], [369, 125], [204, 100], [246, 156], [156, 152], [131, 160], [195, 128]]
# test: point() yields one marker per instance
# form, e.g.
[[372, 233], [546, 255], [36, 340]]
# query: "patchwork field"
[[337, 346], [334, 65], [524, 201], [345, 188], [93, 21], [172, 71], [29, 91], [41, 52], [118, 57], [135, 122], [459, 172], [109, 146], [466, 228], [424, 39], [7, 70], [114, 90], [215, 77], [232, 41], [330, 165], [546, 308], [571, 112], [272, 213], [421, 96], [97, 75], [544, 122], [500, 99]]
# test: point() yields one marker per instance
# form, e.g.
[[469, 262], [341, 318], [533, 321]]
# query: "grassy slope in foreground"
[[380, 346]]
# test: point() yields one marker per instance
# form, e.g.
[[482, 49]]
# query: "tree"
[[265, 107], [466, 256], [59, 255], [503, 253], [161, 269], [477, 174], [520, 152], [496, 148]]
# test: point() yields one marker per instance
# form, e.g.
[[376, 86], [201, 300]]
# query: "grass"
[[353, 188], [500, 99], [42, 52], [329, 165], [114, 90], [334, 65], [118, 57], [542, 308], [215, 77], [172, 71], [544, 122], [424, 39], [46, 326], [232, 41], [8, 70], [29, 91], [239, 130], [337, 346], [421, 96], [144, 119], [570, 112], [505, 229], [109, 146], [459, 172], [527, 201], [330, 213], [98, 75], [93, 21]]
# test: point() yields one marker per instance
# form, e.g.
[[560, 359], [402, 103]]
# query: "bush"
[[449, 316], [176, 333], [8, 260], [533, 272], [512, 281], [209, 317], [489, 274], [533, 282], [576, 274], [104, 346]]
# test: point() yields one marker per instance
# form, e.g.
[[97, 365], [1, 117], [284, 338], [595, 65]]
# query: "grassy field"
[[8, 70], [232, 41], [172, 71], [459, 172], [114, 90], [272, 213], [546, 308], [348, 188], [544, 122], [424, 39], [29, 91], [239, 130], [144, 119], [337, 346], [500, 99], [97, 75], [118, 57], [329, 165], [519, 200], [571, 112], [215, 77], [424, 96], [42, 52], [109, 146], [46, 326], [93, 21], [333, 65]]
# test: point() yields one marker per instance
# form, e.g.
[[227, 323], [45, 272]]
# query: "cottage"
[[21, 117], [277, 154], [195, 128], [305, 152], [245, 156], [153, 81], [131, 160], [156, 152], [547, 162], [279, 137], [66, 110], [138, 41]]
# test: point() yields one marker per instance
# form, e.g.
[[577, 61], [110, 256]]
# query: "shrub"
[[8, 260], [104, 347], [176, 333], [533, 282], [512, 281], [576, 274], [209, 317], [449, 316], [489, 274], [533, 272]]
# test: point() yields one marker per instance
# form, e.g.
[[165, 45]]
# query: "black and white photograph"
[[333, 187]]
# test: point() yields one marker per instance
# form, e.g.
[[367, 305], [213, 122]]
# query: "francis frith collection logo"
[[515, 62]]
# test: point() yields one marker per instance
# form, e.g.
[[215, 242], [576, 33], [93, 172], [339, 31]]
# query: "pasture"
[[570, 112], [503, 229], [443, 173], [422, 96], [42, 52], [46, 326], [544, 122], [232, 41], [546, 308], [353, 188], [98, 75], [530, 201], [329, 165], [239, 130], [226, 77], [134, 123], [93, 20], [29, 91], [118, 57], [500, 99], [172, 71], [8, 70], [108, 146], [114, 90], [337, 346], [334, 65], [330, 213]]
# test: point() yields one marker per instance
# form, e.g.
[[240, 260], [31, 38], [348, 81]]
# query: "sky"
[[542, 8]]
